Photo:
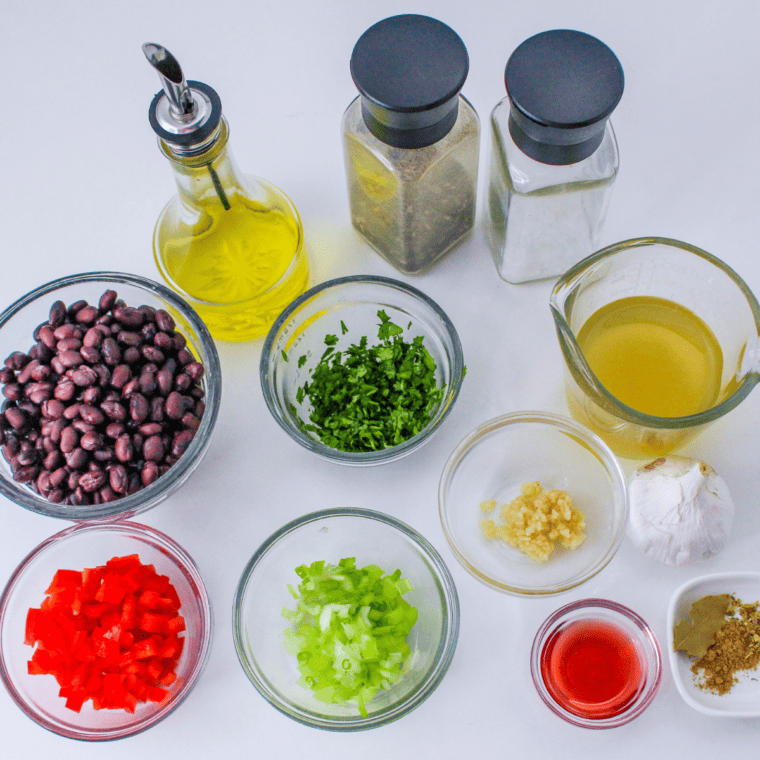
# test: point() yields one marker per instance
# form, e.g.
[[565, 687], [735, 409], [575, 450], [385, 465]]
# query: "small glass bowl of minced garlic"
[[533, 503]]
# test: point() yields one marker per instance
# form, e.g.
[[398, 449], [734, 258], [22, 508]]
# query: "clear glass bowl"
[[493, 462], [75, 548], [18, 322], [638, 691], [301, 329], [332, 535]]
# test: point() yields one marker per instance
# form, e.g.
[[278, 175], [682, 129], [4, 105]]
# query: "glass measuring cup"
[[678, 272]]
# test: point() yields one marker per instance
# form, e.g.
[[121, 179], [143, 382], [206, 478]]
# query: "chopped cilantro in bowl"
[[362, 370], [371, 397]]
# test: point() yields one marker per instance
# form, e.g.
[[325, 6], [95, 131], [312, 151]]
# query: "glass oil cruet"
[[230, 244]]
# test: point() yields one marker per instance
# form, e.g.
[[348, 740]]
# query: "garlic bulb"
[[681, 510]]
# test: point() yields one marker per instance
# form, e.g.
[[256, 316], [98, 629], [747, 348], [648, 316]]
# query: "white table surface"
[[82, 183]]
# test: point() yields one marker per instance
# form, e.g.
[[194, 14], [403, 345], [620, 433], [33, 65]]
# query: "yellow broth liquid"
[[654, 355], [247, 262]]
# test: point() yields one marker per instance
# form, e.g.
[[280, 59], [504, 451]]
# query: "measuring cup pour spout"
[[689, 279]]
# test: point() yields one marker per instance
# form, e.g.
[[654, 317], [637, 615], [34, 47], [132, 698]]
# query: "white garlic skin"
[[680, 510]]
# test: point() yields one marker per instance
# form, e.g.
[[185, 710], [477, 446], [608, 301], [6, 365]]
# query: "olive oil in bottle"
[[654, 355], [230, 244]]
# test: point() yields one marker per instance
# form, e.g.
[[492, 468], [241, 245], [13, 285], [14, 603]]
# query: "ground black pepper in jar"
[[411, 142]]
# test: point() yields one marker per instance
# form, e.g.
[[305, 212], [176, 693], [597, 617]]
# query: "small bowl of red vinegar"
[[596, 664]]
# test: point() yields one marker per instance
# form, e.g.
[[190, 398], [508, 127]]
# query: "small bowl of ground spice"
[[361, 370], [714, 625], [533, 503]]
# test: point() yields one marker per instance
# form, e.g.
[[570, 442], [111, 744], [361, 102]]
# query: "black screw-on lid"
[[562, 85], [409, 70]]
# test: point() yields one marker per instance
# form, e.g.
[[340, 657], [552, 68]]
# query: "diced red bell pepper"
[[134, 667], [171, 593], [85, 652], [155, 669], [95, 610], [142, 650], [112, 590], [138, 686], [108, 634], [122, 565], [149, 599], [75, 699], [126, 640], [94, 683], [167, 606], [176, 625], [106, 649], [91, 578], [130, 702], [32, 626], [38, 666], [157, 694], [157, 583], [76, 603], [129, 612], [111, 620], [172, 647], [113, 687], [80, 676], [153, 622], [65, 579]]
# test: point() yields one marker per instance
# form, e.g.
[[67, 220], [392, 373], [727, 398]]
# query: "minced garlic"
[[535, 520]]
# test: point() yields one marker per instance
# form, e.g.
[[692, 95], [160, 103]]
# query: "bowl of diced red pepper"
[[104, 630]]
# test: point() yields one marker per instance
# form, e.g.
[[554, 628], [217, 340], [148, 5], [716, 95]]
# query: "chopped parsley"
[[369, 398]]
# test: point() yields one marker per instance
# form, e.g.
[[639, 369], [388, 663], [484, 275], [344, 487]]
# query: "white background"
[[82, 183]]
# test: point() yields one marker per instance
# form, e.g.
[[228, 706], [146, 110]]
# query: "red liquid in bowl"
[[592, 668]]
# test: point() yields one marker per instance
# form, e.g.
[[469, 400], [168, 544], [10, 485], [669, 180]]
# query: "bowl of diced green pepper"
[[362, 370], [345, 619]]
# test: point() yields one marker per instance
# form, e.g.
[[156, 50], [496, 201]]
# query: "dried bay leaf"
[[696, 635]]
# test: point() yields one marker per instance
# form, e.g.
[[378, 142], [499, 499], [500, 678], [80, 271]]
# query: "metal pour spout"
[[181, 103]]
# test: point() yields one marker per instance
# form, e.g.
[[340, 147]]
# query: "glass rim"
[[589, 440], [179, 556], [382, 456], [629, 414], [143, 499], [444, 652], [650, 685]]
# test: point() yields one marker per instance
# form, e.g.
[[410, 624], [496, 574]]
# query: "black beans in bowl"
[[108, 401]]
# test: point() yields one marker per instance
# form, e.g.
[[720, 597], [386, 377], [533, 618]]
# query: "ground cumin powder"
[[736, 648]]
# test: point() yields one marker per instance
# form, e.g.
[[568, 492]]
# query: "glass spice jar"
[[411, 141], [554, 156]]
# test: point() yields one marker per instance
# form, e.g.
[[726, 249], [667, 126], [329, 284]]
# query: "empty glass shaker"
[[554, 156]]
